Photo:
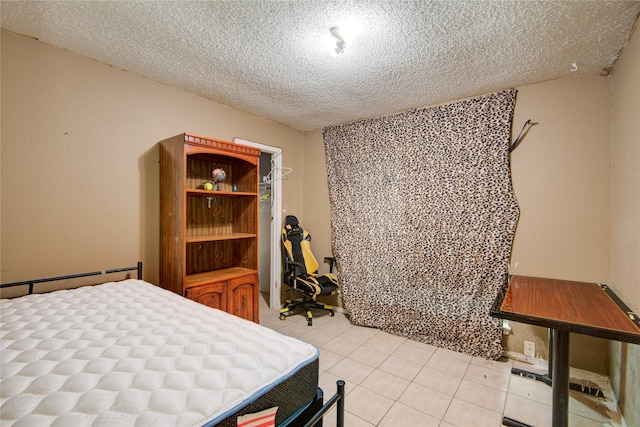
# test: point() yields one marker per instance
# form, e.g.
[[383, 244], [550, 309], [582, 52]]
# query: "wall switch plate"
[[530, 349]]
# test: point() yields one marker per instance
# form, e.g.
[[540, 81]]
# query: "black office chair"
[[301, 272]]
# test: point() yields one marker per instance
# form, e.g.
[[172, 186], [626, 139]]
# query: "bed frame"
[[310, 417], [31, 283]]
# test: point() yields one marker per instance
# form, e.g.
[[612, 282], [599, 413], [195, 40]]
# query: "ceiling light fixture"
[[341, 44]]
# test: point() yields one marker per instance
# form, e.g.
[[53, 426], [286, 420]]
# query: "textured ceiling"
[[270, 58]]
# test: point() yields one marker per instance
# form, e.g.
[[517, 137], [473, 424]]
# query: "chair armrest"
[[295, 264], [332, 262]]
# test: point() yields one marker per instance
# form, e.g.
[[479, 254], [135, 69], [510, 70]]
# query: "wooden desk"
[[564, 307]]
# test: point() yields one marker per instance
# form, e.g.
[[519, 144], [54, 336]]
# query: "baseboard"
[[520, 357], [340, 310]]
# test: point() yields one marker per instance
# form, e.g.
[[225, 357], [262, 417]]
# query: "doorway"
[[264, 220], [270, 217]]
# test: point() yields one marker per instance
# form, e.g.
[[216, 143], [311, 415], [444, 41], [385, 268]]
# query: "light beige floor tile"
[[415, 352], [400, 367], [341, 317], [328, 359], [424, 346], [356, 335], [392, 337], [384, 342], [447, 364], [367, 330], [340, 346], [385, 384], [351, 371], [316, 338], [402, 415], [489, 377], [454, 354], [463, 414], [270, 320], [332, 326], [439, 381], [350, 420], [294, 329], [368, 356], [425, 400], [527, 411], [481, 395], [502, 364], [327, 382], [368, 405], [530, 389]]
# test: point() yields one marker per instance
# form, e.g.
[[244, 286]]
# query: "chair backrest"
[[296, 247]]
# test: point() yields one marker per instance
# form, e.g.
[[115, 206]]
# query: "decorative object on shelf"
[[208, 186], [218, 176]]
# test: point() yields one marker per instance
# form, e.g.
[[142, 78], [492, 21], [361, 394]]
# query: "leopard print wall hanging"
[[423, 216]]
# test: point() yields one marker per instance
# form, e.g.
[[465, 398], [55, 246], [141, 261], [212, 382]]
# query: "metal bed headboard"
[[138, 268]]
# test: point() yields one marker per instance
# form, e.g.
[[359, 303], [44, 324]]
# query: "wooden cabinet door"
[[212, 295], [243, 297]]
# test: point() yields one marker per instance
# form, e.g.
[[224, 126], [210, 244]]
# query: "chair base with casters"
[[301, 273], [305, 304]]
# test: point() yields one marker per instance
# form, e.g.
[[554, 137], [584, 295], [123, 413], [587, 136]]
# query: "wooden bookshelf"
[[209, 236]]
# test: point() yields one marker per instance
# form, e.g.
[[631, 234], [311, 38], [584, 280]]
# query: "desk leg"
[[560, 385]]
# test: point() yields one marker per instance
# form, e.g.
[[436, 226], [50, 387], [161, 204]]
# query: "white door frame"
[[276, 219]]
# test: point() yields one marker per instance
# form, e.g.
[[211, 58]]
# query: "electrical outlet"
[[530, 349]]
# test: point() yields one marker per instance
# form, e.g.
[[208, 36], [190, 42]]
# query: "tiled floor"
[[393, 382]]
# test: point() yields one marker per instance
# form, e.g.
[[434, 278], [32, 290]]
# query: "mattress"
[[130, 353]]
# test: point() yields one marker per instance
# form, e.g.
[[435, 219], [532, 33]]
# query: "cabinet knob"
[[244, 300]]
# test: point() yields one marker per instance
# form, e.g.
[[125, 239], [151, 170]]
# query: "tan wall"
[[625, 218], [80, 175], [561, 179], [317, 215]]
